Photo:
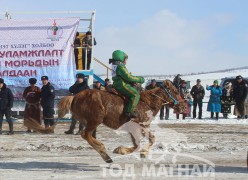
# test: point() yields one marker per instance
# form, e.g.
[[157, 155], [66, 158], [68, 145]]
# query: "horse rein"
[[166, 102]]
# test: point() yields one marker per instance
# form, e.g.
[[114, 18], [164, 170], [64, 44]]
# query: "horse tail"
[[64, 106], [33, 124]]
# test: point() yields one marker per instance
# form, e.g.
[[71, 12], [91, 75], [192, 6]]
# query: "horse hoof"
[[142, 156], [109, 161], [117, 150]]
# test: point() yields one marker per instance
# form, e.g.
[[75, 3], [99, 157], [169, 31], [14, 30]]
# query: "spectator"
[[107, 85], [87, 51], [198, 93], [152, 86], [77, 87], [47, 101], [226, 99], [214, 105], [99, 86], [177, 80], [6, 103], [32, 95], [186, 96], [76, 44], [239, 94], [166, 115]]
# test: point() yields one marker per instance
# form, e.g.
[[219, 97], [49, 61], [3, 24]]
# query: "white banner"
[[33, 48]]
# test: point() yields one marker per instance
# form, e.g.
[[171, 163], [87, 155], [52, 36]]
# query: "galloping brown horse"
[[94, 107]]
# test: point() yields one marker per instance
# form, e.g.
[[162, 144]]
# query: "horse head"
[[172, 96]]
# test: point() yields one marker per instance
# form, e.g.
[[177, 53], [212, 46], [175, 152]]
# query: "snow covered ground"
[[184, 149]]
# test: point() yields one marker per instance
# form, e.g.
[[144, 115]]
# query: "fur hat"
[[44, 77], [80, 75], [88, 33], [32, 81]]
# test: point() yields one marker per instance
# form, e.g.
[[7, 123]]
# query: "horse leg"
[[145, 151], [127, 150], [97, 145]]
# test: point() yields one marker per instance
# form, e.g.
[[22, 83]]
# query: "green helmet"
[[119, 55]]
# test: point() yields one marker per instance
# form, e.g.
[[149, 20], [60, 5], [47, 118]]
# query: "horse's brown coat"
[[94, 107]]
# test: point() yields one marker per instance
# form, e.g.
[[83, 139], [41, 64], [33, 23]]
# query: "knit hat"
[[1, 80], [216, 82], [239, 77]]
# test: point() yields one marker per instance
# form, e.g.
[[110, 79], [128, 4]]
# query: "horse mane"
[[144, 94], [148, 98]]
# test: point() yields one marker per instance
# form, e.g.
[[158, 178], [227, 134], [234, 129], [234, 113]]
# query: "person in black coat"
[[77, 87], [76, 44], [239, 94], [88, 43], [6, 103], [198, 93], [47, 101], [226, 99]]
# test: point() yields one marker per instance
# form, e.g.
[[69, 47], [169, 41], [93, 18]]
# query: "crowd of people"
[[220, 101]]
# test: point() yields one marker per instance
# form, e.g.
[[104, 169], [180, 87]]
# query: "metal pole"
[[86, 53]]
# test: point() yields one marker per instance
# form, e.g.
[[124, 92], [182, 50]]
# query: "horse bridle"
[[170, 96], [175, 102]]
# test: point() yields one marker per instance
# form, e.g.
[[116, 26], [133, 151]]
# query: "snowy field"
[[184, 149]]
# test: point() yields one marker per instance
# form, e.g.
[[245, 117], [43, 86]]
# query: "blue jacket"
[[78, 87], [47, 96], [214, 104], [6, 98]]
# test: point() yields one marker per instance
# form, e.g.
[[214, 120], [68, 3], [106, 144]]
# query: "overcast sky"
[[161, 36]]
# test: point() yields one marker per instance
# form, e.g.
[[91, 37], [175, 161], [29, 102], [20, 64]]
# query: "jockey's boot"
[[131, 114]]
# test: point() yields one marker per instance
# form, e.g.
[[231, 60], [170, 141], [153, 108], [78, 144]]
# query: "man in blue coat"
[[214, 105], [47, 101], [6, 103]]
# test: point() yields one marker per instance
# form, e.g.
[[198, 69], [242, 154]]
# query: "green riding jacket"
[[121, 82]]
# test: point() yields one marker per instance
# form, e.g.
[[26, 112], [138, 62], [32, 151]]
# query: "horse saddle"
[[115, 92]]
